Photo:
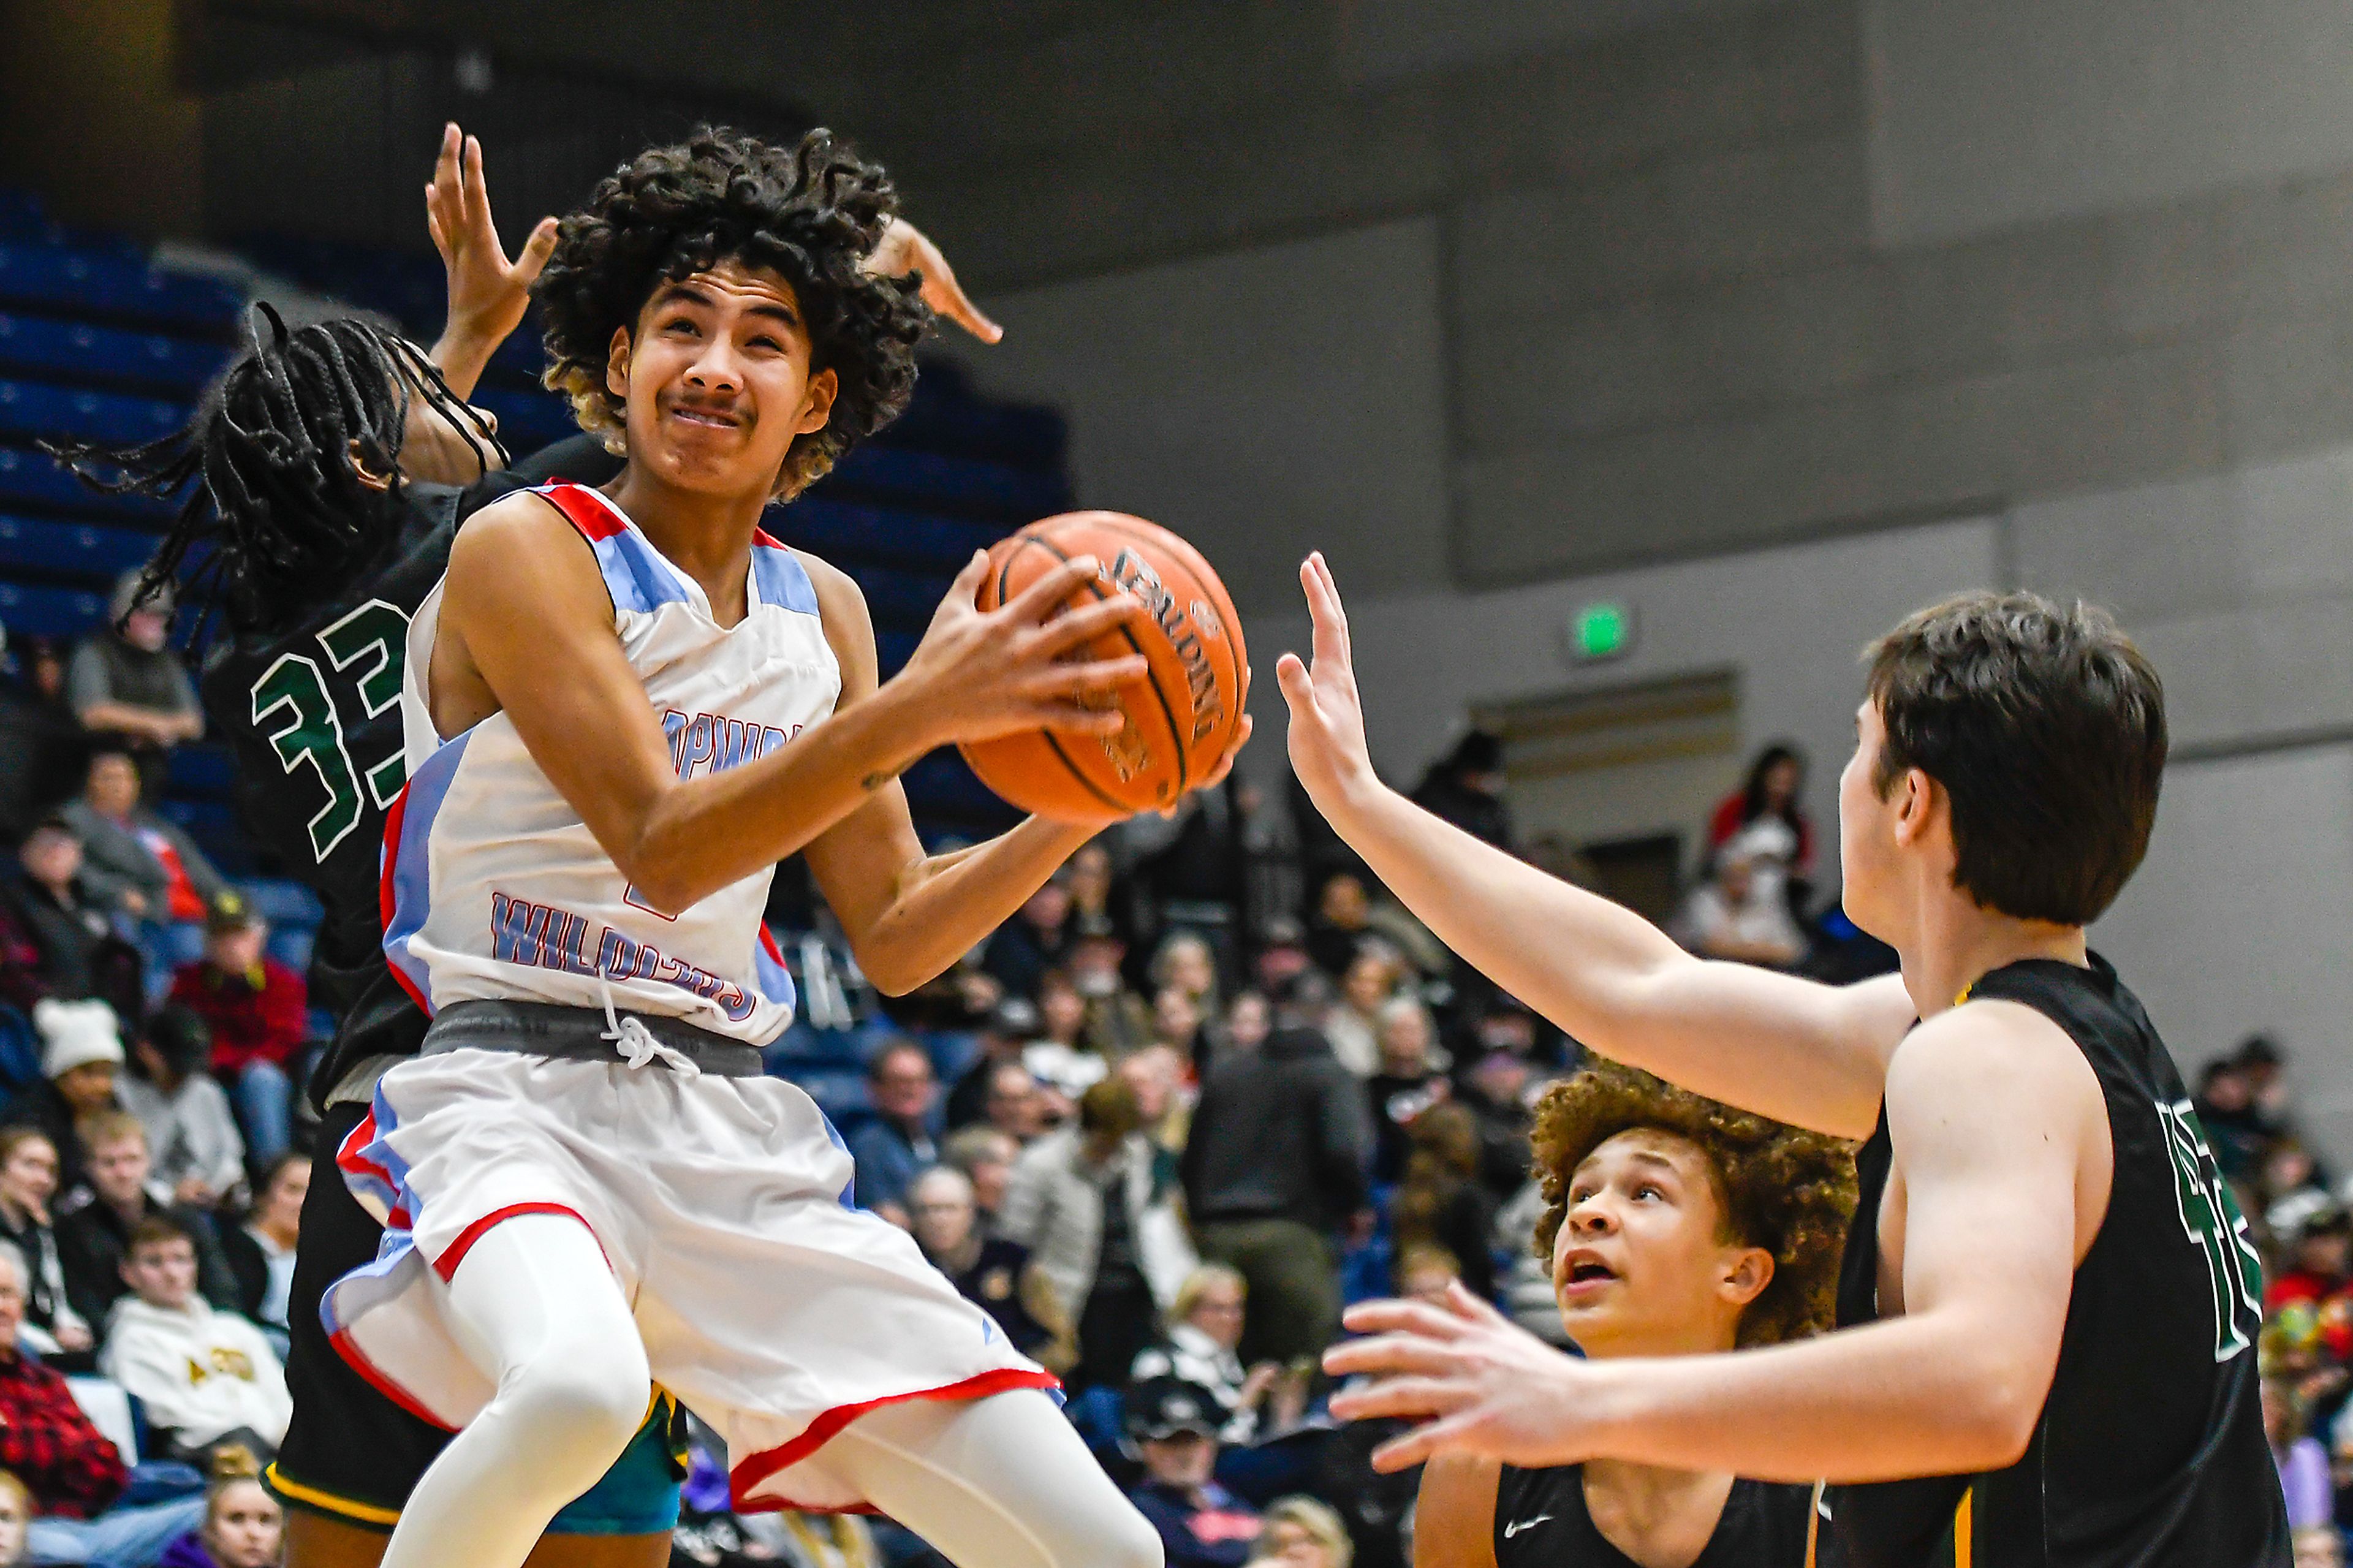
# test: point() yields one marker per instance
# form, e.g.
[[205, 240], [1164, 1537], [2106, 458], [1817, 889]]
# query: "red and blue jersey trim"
[[634, 573], [405, 895]]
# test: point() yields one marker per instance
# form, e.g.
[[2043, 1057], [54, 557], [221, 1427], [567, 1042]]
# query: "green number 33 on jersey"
[[292, 710], [2211, 1215]]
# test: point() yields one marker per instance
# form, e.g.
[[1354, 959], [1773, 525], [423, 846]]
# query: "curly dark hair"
[[812, 213], [1786, 1190], [272, 511]]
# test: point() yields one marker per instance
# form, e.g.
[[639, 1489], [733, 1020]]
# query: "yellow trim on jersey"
[[1964, 1528], [1814, 1522], [328, 1502]]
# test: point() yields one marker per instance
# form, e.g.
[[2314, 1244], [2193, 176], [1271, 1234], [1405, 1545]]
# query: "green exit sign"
[[1603, 629]]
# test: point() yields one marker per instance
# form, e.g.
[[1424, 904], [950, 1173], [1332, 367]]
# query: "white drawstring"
[[635, 1041]]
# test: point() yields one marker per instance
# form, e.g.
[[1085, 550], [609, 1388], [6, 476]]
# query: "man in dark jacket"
[[95, 1220], [1273, 1174]]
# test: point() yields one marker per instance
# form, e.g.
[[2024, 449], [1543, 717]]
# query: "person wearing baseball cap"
[[258, 1013], [1172, 1426]]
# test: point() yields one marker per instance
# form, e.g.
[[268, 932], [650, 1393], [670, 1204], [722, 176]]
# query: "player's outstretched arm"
[[908, 915], [1997, 1119], [487, 292], [1810, 1054], [527, 629]]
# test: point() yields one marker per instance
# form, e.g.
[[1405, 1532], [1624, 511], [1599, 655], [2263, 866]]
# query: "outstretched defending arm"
[[1813, 1056], [1997, 1118]]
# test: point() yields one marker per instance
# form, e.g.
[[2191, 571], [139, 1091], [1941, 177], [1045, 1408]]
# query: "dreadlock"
[[282, 510]]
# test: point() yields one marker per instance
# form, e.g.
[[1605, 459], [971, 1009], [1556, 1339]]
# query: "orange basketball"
[[1179, 721]]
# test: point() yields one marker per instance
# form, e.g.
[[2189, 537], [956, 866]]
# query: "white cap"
[[74, 1034]]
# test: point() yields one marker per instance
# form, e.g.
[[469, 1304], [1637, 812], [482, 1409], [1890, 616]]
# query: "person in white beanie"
[[81, 1051]]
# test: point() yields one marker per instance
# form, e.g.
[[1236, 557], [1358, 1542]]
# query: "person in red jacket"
[[258, 1013]]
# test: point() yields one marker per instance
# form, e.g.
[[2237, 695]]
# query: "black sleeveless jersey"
[[1541, 1522], [2150, 1451], [312, 710]]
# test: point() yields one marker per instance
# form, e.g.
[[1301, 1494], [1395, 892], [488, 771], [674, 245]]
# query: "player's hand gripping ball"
[[1180, 719]]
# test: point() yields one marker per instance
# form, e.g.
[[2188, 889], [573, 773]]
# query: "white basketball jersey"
[[495, 888]]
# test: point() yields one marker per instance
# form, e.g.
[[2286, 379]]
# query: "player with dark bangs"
[[1674, 1225]]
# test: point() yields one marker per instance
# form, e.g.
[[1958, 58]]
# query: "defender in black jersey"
[[2051, 1300], [1673, 1226]]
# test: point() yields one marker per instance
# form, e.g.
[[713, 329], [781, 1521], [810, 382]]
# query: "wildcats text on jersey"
[[550, 938]]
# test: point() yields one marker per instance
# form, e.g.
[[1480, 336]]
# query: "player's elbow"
[[890, 973], [1990, 1416]]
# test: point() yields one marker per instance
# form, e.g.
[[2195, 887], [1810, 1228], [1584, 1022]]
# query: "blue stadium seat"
[[28, 609], [89, 552], [73, 351], [34, 409], [214, 825], [32, 480], [207, 770], [113, 287], [960, 484], [899, 598], [528, 420], [843, 532], [277, 901]]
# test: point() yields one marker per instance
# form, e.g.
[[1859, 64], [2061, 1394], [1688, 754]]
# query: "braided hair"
[[281, 510]]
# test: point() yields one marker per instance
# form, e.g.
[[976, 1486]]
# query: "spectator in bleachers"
[[40, 743], [1301, 1532], [1189, 863], [2322, 1546], [1425, 1272], [1274, 1171], [206, 1377], [68, 1469], [24, 977], [1095, 1204], [1203, 1328], [985, 1157], [81, 955], [898, 1143], [1498, 1090], [1174, 1426], [1010, 1026], [992, 1272], [258, 1013], [1024, 948], [15, 1520], [137, 862], [260, 1251], [1248, 1022], [1343, 924], [1117, 1021], [2265, 1066], [1466, 788], [81, 1055], [1178, 1022], [1408, 1084], [100, 1213], [1764, 818], [45, 1318], [1156, 1074], [198, 1151], [2289, 1188], [1015, 1106], [1442, 1202], [125, 681], [1184, 959], [2225, 1103], [1739, 916], [243, 1526], [2301, 1459], [1351, 1025], [1096, 895]]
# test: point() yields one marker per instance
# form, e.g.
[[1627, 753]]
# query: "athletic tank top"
[[493, 887], [1541, 1522], [2149, 1452]]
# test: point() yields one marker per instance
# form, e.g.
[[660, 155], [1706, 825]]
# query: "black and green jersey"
[[311, 708], [2150, 1451]]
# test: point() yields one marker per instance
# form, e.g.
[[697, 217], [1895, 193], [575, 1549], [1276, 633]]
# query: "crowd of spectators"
[[150, 1203]]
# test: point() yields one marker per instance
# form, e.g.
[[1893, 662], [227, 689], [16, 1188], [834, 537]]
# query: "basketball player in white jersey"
[[624, 707]]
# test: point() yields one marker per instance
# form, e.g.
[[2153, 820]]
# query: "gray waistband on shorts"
[[578, 1034]]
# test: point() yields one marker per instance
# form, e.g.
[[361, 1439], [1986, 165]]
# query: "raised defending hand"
[[906, 248], [487, 292], [1327, 722], [1477, 1383], [985, 673]]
